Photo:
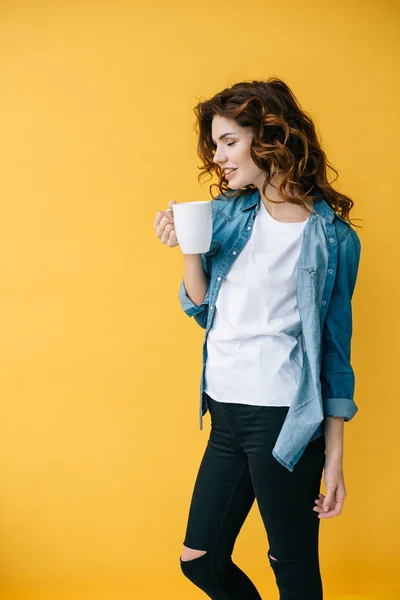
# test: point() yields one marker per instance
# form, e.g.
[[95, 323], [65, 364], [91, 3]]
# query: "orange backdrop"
[[100, 367]]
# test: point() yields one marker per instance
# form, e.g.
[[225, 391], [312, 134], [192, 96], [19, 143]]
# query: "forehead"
[[221, 127], [222, 124]]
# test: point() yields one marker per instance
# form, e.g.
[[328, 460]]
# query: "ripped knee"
[[191, 554], [273, 559], [196, 566]]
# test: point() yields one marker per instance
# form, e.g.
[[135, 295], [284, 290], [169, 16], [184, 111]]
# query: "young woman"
[[273, 294]]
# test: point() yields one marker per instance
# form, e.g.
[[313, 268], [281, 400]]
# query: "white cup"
[[193, 226]]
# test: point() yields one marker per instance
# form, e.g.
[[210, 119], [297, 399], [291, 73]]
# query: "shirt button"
[[330, 271], [219, 278], [331, 239], [248, 228], [211, 307], [234, 252], [323, 301]]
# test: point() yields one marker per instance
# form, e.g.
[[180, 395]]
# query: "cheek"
[[248, 162], [243, 157]]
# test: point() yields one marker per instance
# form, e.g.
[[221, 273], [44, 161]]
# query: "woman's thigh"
[[286, 501], [223, 492]]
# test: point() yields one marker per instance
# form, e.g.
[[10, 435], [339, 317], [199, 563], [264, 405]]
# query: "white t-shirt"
[[254, 346]]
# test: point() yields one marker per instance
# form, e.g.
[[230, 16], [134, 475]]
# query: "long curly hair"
[[284, 142]]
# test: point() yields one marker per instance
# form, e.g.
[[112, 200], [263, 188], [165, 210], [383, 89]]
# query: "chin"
[[233, 185]]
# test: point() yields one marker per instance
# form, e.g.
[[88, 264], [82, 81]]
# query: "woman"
[[273, 294]]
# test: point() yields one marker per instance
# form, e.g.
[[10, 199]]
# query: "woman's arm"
[[194, 288], [337, 377], [331, 505], [194, 277], [334, 431]]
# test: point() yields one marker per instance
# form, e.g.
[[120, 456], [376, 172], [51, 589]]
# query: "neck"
[[284, 211]]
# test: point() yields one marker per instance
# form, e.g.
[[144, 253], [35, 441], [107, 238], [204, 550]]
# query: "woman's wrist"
[[334, 460]]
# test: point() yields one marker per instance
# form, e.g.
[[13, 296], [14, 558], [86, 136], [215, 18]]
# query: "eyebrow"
[[224, 135]]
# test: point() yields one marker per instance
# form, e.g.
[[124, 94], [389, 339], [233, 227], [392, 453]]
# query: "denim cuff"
[[188, 306], [340, 407]]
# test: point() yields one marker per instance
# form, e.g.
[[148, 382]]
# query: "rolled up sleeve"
[[337, 375], [199, 312]]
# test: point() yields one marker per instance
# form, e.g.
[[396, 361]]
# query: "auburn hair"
[[284, 142]]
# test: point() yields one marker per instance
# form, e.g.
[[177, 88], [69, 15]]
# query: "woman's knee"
[[198, 567], [195, 565], [190, 554]]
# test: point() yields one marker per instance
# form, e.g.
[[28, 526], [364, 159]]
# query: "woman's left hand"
[[331, 505]]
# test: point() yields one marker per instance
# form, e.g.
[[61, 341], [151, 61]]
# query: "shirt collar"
[[321, 206]]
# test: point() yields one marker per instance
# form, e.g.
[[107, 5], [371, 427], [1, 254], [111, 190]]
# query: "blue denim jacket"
[[326, 277]]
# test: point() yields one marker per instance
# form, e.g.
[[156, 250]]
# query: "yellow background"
[[100, 367]]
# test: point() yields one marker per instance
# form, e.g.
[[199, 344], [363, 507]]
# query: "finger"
[[165, 221], [329, 515], [166, 234], [329, 502], [169, 241], [170, 236], [173, 239], [169, 211], [158, 218], [166, 218], [317, 509], [334, 509], [320, 509], [162, 214]]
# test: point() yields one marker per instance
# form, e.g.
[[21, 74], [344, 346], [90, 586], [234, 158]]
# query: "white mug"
[[193, 226]]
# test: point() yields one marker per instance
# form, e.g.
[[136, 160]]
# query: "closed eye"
[[214, 145]]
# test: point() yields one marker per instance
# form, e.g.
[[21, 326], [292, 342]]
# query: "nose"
[[219, 158]]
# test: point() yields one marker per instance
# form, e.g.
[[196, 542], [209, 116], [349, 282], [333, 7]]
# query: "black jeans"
[[236, 468]]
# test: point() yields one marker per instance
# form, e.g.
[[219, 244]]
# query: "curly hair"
[[284, 141]]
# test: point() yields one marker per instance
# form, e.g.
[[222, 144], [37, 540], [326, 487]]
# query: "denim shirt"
[[326, 277]]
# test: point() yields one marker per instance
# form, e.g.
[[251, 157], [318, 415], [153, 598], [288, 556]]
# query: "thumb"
[[328, 502]]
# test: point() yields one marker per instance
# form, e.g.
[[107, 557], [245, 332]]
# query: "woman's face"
[[234, 151]]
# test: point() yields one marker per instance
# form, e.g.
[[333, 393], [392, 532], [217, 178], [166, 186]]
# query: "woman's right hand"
[[165, 226]]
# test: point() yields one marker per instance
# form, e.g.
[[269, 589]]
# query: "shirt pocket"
[[306, 292]]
